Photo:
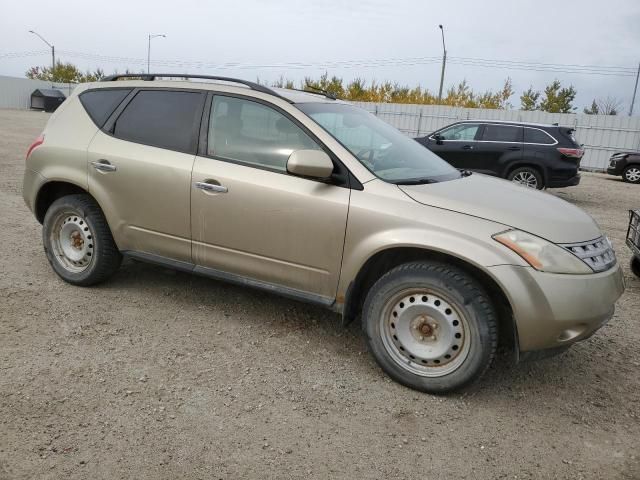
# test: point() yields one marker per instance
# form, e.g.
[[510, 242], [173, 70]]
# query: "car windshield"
[[385, 151]]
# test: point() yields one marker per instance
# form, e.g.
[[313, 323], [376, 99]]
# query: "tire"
[[444, 356], [78, 242], [631, 174], [635, 266], [528, 177]]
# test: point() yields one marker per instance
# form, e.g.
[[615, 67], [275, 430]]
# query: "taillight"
[[36, 143], [572, 152]]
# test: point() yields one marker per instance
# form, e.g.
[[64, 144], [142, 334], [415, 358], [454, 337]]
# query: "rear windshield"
[[101, 103]]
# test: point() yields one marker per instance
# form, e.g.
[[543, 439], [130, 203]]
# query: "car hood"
[[510, 204]]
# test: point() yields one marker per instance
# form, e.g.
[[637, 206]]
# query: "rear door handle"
[[210, 187], [468, 147], [104, 166], [514, 149]]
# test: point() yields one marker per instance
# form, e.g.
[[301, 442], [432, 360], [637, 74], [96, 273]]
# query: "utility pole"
[[53, 50], [635, 90], [149, 49], [444, 63]]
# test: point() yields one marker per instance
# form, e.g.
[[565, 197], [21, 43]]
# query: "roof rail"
[[152, 76]]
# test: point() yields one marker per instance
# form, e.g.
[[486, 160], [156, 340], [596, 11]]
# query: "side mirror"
[[438, 138], [310, 163]]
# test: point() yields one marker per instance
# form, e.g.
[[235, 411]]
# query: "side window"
[[502, 133], [252, 133], [161, 118], [101, 103], [465, 132], [533, 135]]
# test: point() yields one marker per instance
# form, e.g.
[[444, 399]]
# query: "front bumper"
[[615, 169], [554, 310]]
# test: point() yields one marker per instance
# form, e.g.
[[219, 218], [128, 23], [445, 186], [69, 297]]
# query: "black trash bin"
[[47, 99]]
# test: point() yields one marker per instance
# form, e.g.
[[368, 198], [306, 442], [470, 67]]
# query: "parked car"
[[312, 198], [534, 155], [625, 164], [633, 240]]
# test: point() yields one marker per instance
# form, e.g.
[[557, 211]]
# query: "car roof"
[[292, 96], [510, 122]]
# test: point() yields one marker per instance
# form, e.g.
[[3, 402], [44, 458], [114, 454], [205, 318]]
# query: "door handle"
[[468, 147], [513, 149], [210, 187], [104, 166]]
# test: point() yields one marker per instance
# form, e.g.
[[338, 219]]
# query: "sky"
[[380, 40]]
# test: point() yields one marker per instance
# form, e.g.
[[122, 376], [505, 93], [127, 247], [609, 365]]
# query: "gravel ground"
[[162, 375]]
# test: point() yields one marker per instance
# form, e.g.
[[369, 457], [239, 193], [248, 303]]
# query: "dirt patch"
[[159, 374]]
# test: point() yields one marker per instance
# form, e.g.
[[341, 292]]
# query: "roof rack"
[[152, 76]]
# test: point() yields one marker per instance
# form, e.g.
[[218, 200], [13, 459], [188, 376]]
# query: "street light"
[[53, 50], [444, 62], [149, 47]]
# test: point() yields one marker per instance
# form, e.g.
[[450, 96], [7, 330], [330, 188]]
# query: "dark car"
[[535, 155], [625, 164]]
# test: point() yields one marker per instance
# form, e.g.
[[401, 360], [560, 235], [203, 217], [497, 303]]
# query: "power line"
[[575, 69]]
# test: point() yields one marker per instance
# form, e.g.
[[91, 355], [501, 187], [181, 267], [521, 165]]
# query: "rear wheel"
[[635, 266], [528, 177], [78, 242], [430, 326], [631, 174]]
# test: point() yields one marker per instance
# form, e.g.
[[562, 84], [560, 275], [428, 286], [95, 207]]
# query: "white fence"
[[601, 135], [16, 92]]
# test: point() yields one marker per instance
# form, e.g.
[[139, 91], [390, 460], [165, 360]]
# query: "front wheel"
[[430, 326], [78, 242], [527, 177], [631, 174]]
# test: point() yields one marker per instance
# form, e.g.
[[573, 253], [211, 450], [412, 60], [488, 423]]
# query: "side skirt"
[[231, 278]]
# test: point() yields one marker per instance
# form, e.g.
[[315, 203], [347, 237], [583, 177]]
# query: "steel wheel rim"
[[633, 174], [424, 332], [527, 179], [72, 242]]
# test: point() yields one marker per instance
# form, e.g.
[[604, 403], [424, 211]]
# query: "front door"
[[457, 144], [250, 219]]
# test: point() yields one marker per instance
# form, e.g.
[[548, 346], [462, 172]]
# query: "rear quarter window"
[[99, 104], [534, 135]]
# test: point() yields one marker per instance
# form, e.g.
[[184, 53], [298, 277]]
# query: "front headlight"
[[542, 254]]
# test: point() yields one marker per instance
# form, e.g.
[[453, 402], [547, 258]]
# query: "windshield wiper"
[[415, 181]]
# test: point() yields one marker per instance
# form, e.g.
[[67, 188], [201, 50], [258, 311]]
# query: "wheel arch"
[[386, 259], [53, 190], [527, 163]]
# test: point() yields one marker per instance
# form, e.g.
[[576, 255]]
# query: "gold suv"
[[309, 197]]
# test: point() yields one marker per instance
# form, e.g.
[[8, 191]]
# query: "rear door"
[[457, 143], [252, 220], [140, 170], [500, 145]]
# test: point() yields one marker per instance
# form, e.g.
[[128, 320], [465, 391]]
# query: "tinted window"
[[162, 119], [252, 133], [533, 135], [502, 133], [460, 132], [99, 104]]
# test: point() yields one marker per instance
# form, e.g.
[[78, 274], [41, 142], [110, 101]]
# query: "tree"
[[529, 100], [604, 106], [63, 73], [593, 109], [558, 99]]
